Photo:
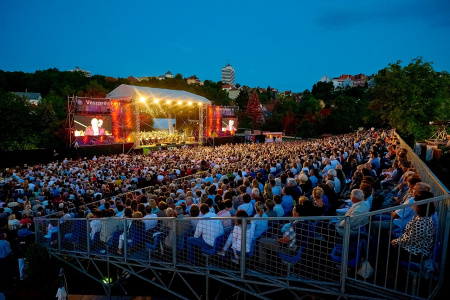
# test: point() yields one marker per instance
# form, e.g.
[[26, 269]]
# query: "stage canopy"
[[138, 92]]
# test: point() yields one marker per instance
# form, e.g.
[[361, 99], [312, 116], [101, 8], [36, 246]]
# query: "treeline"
[[25, 126], [404, 97]]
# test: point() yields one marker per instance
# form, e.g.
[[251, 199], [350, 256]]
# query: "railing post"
[[345, 250], [174, 242], [59, 235], [88, 237], [243, 245], [125, 239], [444, 244]]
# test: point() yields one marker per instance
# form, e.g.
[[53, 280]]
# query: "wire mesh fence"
[[378, 250]]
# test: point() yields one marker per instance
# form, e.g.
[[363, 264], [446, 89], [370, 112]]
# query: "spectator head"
[[128, 212], [277, 199], [303, 179], [209, 202], [110, 212], [179, 210], [421, 186], [228, 203], [332, 172], [427, 209], [162, 205], [317, 192], [148, 210], [246, 198], [357, 195], [119, 207], [204, 208], [194, 211], [241, 214], [412, 180], [221, 205], [259, 208], [305, 207], [270, 204], [170, 212], [367, 190]]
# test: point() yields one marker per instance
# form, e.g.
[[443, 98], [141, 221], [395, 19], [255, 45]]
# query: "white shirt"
[[149, 224], [209, 230], [96, 226], [235, 238]]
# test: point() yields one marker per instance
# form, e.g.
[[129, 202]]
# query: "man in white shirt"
[[205, 234]]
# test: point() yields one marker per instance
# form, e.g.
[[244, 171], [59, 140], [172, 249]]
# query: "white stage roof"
[[125, 91]]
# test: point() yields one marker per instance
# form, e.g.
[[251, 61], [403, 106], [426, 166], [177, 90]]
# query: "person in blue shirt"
[[247, 206], [287, 202]]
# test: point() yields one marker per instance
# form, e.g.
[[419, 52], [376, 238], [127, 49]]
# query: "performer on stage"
[[95, 128], [230, 126]]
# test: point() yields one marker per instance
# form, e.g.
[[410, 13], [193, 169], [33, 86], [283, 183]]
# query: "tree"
[[255, 111], [242, 99], [407, 97], [323, 91]]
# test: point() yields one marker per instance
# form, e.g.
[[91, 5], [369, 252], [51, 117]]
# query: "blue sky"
[[286, 44]]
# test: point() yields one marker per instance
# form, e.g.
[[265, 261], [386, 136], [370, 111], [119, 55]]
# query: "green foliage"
[[408, 97], [345, 115], [37, 268], [242, 99], [323, 91]]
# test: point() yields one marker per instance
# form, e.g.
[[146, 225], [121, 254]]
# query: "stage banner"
[[92, 105]]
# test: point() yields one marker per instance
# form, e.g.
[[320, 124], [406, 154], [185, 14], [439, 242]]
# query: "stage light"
[[156, 100], [142, 99], [190, 102], [168, 101], [179, 102]]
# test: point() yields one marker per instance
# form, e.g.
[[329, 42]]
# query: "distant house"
[[287, 93], [194, 80], [371, 81], [344, 81], [325, 78], [359, 80], [86, 73], [34, 98], [168, 74], [233, 92]]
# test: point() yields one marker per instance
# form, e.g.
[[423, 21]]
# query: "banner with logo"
[[92, 105]]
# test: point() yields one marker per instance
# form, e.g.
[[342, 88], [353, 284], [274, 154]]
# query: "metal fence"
[[329, 255]]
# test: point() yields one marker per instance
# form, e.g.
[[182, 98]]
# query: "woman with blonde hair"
[[267, 191], [13, 223]]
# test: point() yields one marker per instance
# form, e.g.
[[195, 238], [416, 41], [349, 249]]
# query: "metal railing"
[[328, 255]]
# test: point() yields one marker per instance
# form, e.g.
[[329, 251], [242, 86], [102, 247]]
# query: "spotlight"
[[190, 102], [179, 102], [142, 99], [156, 100], [168, 101]]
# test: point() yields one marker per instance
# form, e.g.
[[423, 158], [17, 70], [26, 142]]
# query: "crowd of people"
[[160, 137], [347, 175]]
